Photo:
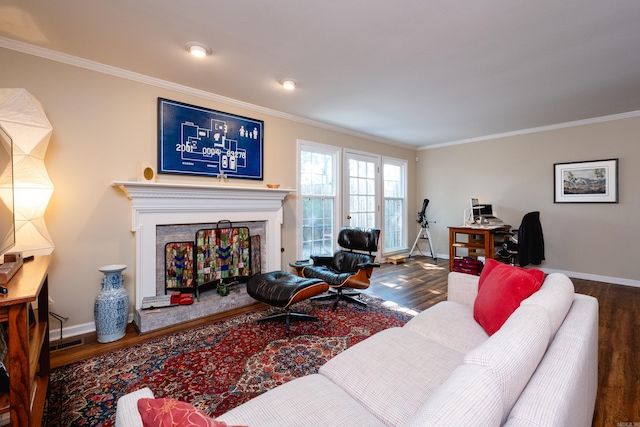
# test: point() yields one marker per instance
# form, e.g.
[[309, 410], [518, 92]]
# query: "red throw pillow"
[[173, 413], [501, 289]]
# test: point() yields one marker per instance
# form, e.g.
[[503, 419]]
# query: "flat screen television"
[[7, 214]]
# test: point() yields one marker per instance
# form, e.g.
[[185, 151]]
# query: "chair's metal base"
[[340, 295], [288, 316], [508, 255]]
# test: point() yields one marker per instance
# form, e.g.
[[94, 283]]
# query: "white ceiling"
[[414, 72]]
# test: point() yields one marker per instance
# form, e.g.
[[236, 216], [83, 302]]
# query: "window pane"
[[371, 170], [393, 226], [353, 167], [362, 169], [392, 181], [316, 173], [317, 226], [318, 203], [353, 185], [395, 229]]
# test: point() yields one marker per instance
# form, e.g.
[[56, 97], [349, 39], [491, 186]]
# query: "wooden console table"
[[478, 241], [28, 343]]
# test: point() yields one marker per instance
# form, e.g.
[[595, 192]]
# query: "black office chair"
[[525, 243], [349, 267]]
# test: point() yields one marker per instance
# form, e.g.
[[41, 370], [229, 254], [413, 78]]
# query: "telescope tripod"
[[427, 235]]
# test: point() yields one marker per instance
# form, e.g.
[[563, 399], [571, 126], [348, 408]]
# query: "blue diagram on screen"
[[199, 141], [211, 146]]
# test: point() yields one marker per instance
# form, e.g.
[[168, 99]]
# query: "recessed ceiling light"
[[197, 49], [288, 84]]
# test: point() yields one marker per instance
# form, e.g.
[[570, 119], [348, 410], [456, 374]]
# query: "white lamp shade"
[[23, 117], [34, 237]]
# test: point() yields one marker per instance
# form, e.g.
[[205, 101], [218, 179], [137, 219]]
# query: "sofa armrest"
[[462, 288], [127, 414], [563, 389]]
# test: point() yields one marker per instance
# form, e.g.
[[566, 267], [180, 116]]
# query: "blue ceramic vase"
[[111, 309]]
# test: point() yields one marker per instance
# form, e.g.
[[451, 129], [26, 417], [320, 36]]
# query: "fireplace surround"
[[160, 204]]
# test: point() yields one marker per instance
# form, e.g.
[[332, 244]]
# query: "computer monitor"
[[479, 209], [486, 209]]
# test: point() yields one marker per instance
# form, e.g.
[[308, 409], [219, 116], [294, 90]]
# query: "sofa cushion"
[[471, 396], [450, 324], [556, 296], [393, 372], [514, 351], [311, 400], [501, 289]]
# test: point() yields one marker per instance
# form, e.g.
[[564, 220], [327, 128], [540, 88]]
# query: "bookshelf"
[[27, 359]]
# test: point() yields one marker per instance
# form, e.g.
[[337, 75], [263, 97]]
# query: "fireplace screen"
[[222, 253], [179, 265], [218, 254]]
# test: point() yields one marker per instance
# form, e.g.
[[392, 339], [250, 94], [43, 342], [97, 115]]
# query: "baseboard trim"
[[585, 276], [595, 277], [75, 330]]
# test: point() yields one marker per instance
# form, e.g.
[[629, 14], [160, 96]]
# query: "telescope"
[[424, 224]]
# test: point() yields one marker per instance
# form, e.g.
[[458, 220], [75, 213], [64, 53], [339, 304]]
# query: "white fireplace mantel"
[[156, 204]]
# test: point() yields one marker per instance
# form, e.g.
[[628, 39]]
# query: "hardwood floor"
[[418, 283], [421, 283], [618, 401]]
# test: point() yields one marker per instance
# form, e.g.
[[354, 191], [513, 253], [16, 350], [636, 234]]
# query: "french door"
[[361, 190]]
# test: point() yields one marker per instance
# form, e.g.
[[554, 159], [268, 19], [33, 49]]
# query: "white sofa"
[[442, 369]]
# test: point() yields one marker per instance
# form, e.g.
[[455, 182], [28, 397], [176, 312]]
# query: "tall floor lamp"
[[23, 117]]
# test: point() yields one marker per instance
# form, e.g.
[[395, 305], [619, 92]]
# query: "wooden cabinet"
[[28, 343], [474, 241]]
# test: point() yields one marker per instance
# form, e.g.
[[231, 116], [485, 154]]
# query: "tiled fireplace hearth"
[[157, 205]]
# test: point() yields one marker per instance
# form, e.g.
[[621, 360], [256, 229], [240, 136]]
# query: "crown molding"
[[152, 81], [620, 116]]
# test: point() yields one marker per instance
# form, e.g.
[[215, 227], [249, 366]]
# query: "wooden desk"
[[478, 241], [28, 344]]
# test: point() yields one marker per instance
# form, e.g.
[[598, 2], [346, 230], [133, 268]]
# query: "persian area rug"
[[218, 366]]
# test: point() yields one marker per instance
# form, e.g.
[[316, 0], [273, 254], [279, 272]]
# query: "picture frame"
[[594, 181], [195, 140]]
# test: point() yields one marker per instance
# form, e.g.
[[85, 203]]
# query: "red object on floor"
[[186, 299], [467, 265], [175, 298]]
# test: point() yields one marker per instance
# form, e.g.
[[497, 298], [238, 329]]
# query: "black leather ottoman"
[[282, 289]]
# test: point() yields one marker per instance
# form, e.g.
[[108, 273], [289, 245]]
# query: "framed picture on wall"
[[593, 181], [198, 141]]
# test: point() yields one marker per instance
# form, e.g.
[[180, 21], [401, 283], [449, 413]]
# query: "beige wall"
[[103, 126], [515, 174]]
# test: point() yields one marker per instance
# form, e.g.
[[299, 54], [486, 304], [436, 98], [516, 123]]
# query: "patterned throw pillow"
[[173, 413]]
